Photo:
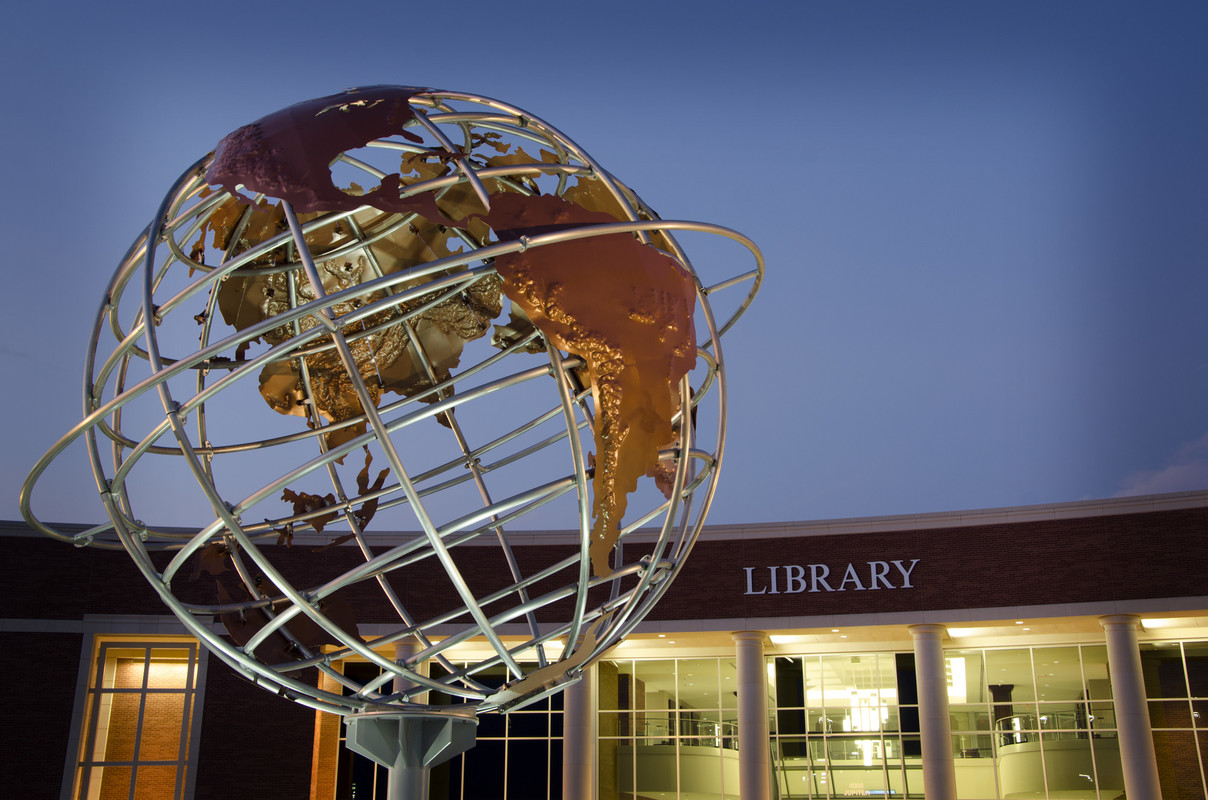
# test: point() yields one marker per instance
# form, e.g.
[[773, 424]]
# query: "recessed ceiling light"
[[1019, 622], [834, 630], [662, 636]]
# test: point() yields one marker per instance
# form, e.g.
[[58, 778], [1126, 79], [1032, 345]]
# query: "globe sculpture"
[[404, 309]]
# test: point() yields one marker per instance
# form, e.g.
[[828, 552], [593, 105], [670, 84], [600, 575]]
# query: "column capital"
[[751, 636], [928, 630], [1120, 621]]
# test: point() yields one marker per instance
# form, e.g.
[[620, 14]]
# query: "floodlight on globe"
[[407, 309]]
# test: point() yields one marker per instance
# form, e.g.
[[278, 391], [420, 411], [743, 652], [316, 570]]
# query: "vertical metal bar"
[[90, 740], [138, 728], [379, 428], [186, 718]]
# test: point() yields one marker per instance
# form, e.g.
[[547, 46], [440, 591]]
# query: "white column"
[[402, 782], [580, 731], [404, 649], [939, 770], [1137, 757], [754, 754]]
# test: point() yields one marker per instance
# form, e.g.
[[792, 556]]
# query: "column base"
[[410, 743]]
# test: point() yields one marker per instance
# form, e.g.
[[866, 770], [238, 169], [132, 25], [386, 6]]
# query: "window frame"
[[99, 640]]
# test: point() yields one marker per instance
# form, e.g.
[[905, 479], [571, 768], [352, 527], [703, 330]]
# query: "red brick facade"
[[264, 745]]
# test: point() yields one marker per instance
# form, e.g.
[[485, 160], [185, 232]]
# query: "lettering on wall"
[[856, 577]]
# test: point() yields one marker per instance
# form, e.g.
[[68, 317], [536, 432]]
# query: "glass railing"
[[689, 733], [1051, 725]]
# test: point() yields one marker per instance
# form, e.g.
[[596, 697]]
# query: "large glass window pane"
[[114, 781], [127, 667], [729, 683], [851, 693], [616, 723], [789, 682], [1195, 656], [491, 726], [162, 719], [971, 731], [966, 674], [1102, 717], [729, 729], [1009, 676], [654, 686], [1069, 766], [700, 728], [698, 683], [966, 745], [1095, 672], [657, 770], [1162, 666], [914, 779], [528, 769], [1178, 764], [615, 768], [123, 724], [615, 684], [811, 677], [139, 710], [895, 780], [527, 725], [1199, 715], [1070, 717], [485, 763], [1108, 777], [793, 748], [908, 704], [155, 783], [1058, 674], [975, 768], [1169, 714], [790, 722]]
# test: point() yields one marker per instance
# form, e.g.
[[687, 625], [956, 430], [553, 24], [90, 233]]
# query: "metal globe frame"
[[133, 358]]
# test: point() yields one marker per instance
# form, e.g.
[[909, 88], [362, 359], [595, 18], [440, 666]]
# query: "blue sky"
[[983, 222]]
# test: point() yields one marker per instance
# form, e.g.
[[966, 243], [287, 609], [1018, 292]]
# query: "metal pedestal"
[[410, 743]]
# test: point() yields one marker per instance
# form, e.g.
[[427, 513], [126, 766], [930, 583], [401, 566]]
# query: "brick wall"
[[1107, 558], [40, 672], [1114, 558], [253, 743]]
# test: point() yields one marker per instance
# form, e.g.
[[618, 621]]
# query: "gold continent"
[[626, 309]]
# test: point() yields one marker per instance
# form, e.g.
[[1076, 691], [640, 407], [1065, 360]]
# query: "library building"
[[1054, 651]]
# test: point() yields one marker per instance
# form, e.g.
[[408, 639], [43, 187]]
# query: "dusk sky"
[[985, 224]]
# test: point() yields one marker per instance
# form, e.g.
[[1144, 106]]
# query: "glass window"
[[1058, 674], [1009, 675], [515, 755], [966, 675], [1095, 672], [676, 735], [615, 682], [728, 672], [1196, 658], [1162, 666], [697, 685], [138, 724]]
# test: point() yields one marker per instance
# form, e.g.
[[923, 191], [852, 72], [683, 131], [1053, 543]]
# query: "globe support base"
[[410, 743]]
